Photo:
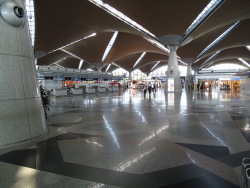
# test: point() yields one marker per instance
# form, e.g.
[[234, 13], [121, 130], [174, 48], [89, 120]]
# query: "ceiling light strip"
[[248, 47], [120, 16], [109, 47], [218, 39], [29, 5], [139, 59], [207, 11]]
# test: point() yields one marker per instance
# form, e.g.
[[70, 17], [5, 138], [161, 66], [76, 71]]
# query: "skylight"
[[80, 64], [244, 62], [155, 65], [107, 68], [158, 44], [56, 63], [91, 35], [211, 57], [71, 54], [209, 9], [109, 47], [120, 16], [139, 59], [218, 39], [29, 4]]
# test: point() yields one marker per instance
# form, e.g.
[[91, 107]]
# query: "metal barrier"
[[245, 172]]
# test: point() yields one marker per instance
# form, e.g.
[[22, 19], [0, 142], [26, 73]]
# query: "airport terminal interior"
[[133, 93]]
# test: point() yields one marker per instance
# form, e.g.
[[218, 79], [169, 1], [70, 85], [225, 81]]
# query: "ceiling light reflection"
[[155, 133], [112, 133], [122, 166]]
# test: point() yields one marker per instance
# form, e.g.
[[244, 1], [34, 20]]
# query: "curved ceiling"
[[77, 31]]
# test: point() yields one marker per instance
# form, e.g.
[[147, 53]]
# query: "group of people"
[[149, 87]]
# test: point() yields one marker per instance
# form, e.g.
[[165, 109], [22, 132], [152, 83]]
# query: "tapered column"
[[189, 77], [173, 80], [21, 111]]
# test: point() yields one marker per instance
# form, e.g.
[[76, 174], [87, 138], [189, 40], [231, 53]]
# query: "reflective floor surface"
[[123, 139]]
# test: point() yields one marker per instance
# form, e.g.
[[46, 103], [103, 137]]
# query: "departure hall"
[[132, 93]]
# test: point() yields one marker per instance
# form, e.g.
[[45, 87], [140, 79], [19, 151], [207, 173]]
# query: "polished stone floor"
[[123, 139]]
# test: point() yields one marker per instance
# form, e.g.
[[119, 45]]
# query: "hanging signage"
[[170, 84]]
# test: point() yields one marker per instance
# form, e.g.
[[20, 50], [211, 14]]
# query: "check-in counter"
[[59, 92], [90, 90], [102, 89], [113, 88], [77, 91]]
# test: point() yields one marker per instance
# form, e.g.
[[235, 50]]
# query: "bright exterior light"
[[109, 47], [218, 39], [139, 59], [29, 4]]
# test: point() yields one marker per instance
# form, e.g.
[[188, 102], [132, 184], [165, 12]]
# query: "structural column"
[[21, 111], [173, 80], [189, 77]]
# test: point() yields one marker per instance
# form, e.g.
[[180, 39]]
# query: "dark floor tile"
[[25, 158], [207, 150], [234, 160], [238, 117], [68, 136], [176, 174], [246, 136]]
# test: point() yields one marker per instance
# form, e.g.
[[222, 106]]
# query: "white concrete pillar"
[[21, 111], [189, 77], [173, 80], [130, 75]]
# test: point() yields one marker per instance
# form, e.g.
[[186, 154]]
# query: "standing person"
[[149, 88], [145, 88]]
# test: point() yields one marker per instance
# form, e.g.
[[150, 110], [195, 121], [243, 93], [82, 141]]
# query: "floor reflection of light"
[[170, 99], [217, 138], [193, 161], [94, 143], [112, 133], [143, 120], [155, 133], [122, 166], [247, 127], [183, 99]]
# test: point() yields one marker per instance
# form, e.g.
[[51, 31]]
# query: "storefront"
[[217, 82]]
